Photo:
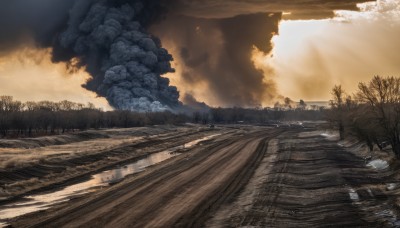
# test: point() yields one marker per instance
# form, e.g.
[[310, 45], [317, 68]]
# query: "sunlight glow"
[[310, 56]]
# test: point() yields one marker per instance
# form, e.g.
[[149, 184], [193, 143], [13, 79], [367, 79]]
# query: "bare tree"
[[338, 108], [361, 124], [383, 98]]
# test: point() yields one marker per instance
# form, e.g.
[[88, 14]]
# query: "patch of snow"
[[353, 195], [392, 186], [370, 192], [378, 164]]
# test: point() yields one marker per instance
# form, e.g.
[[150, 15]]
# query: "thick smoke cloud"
[[218, 52], [125, 61], [109, 39], [193, 104]]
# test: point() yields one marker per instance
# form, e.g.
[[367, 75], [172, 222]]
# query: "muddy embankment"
[[26, 170]]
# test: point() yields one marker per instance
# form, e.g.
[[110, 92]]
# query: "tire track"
[[183, 193], [307, 187]]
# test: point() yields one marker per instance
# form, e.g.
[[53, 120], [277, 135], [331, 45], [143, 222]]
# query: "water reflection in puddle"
[[195, 142], [44, 201]]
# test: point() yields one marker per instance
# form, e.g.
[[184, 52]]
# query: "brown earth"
[[248, 177], [56, 167], [179, 193]]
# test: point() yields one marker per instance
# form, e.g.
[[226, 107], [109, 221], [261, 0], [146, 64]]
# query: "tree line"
[[372, 114], [29, 119], [263, 116]]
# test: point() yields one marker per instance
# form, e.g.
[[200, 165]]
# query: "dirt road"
[[251, 177], [181, 193], [310, 181]]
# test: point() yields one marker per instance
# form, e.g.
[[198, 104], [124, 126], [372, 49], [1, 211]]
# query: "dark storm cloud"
[[229, 8]]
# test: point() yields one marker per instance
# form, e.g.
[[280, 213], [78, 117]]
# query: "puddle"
[[197, 141], [378, 164], [44, 201], [392, 186]]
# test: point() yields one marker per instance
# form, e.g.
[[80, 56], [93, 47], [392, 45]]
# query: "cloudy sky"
[[232, 52], [309, 56]]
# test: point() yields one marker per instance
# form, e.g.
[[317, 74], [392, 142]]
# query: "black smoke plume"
[[109, 39]]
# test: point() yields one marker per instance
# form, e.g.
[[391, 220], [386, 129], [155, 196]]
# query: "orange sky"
[[29, 75], [311, 56]]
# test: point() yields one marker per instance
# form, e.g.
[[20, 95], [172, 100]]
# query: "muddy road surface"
[[181, 192], [248, 176], [310, 180]]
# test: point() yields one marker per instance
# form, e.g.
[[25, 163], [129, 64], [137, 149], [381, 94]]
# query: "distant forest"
[[18, 119]]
